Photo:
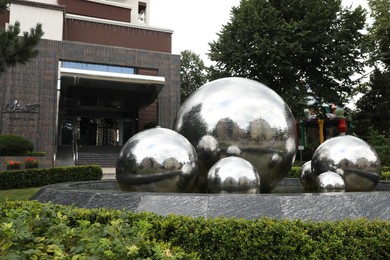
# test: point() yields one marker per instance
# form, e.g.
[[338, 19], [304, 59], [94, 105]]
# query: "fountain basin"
[[280, 205]]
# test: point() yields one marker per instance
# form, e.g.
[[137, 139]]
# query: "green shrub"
[[32, 229], [26, 178], [385, 176], [35, 153], [277, 239], [383, 153], [14, 145], [295, 172]]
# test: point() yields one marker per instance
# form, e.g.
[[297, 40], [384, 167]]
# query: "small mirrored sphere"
[[330, 182], [350, 157], [307, 178], [233, 175], [157, 159], [240, 117]]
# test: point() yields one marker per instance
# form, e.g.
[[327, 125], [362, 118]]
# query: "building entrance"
[[96, 118], [104, 131], [102, 106]]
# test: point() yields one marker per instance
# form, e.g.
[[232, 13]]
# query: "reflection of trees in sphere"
[[244, 114], [157, 159], [352, 158], [233, 175], [307, 178]]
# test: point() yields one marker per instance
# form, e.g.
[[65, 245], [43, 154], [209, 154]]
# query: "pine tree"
[[16, 49]]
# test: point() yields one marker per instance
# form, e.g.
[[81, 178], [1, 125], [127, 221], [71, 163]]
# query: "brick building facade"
[[64, 96]]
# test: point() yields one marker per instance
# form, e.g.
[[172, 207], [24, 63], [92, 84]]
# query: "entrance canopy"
[[146, 88]]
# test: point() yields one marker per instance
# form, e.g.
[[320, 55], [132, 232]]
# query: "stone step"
[[104, 156]]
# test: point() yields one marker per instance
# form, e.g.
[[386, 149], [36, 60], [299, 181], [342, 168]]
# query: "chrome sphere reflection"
[[233, 175], [157, 159], [307, 178], [241, 117], [330, 182], [352, 158]]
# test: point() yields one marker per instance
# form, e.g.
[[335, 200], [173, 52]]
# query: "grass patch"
[[17, 194]]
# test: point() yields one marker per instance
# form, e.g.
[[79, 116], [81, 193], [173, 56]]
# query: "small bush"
[[27, 178], [30, 163], [13, 165], [35, 153], [31, 230], [14, 145], [385, 176], [295, 172], [383, 153]]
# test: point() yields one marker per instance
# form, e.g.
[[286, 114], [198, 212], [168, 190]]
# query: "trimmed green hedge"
[[32, 229], [27, 178], [14, 145]]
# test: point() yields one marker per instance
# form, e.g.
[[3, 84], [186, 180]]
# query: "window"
[[97, 67]]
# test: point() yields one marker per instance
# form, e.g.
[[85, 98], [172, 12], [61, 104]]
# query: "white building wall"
[[28, 16]]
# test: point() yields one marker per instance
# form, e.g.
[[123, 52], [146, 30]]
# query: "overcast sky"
[[196, 22]]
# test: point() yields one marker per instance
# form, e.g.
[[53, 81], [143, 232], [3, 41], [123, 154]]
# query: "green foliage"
[[192, 74], [39, 177], [277, 239], [32, 229], [35, 153], [385, 175], [373, 111], [3, 5], [374, 138], [15, 49], [14, 145], [295, 172], [383, 153], [386, 168], [380, 28], [291, 45]]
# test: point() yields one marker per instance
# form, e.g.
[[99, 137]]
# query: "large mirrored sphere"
[[241, 117], [352, 158], [330, 182], [157, 159], [233, 175]]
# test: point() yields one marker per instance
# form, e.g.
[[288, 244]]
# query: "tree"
[[15, 49], [192, 73], [291, 45], [380, 29], [373, 108]]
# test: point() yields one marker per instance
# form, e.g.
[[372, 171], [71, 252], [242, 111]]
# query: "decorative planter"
[[30, 163], [13, 165]]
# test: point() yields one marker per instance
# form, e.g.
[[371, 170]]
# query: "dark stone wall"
[[35, 83]]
